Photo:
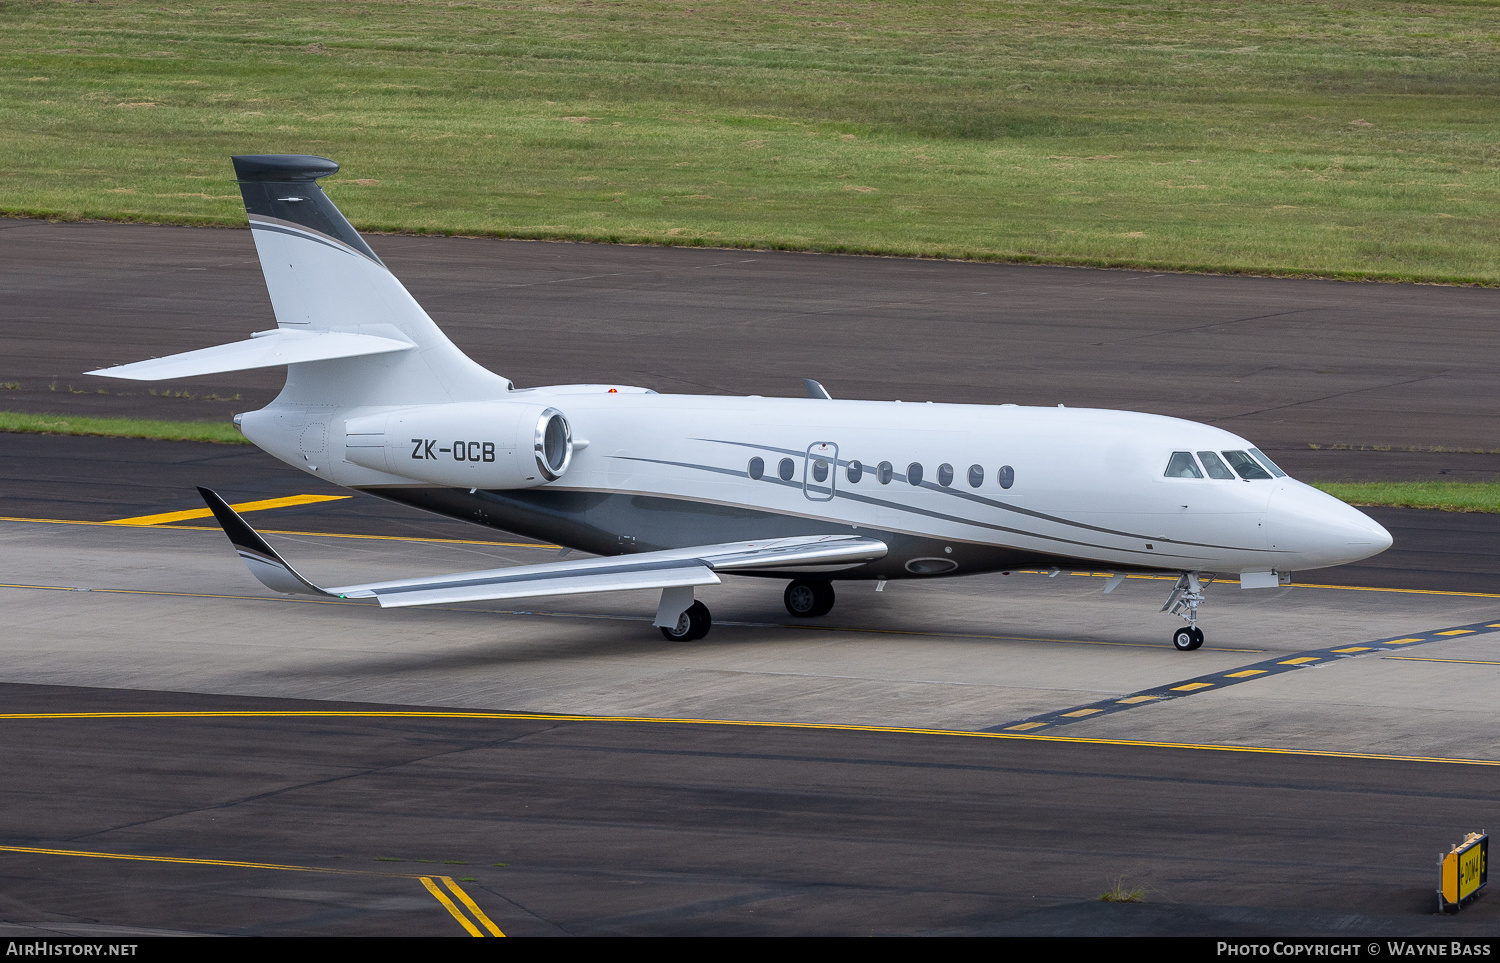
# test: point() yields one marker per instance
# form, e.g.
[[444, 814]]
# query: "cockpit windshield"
[[1247, 467], [1271, 465], [1183, 466], [1251, 466], [1215, 466]]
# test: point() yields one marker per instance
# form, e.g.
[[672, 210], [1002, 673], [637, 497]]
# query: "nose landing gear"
[[808, 598], [1186, 596], [1187, 638]]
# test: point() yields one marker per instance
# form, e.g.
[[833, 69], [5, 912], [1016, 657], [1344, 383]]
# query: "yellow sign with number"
[[1466, 869]]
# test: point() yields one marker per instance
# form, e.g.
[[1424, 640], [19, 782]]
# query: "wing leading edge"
[[671, 568]]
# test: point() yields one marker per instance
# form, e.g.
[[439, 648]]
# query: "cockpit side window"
[[1248, 467], [1183, 466], [1214, 466], [1260, 457]]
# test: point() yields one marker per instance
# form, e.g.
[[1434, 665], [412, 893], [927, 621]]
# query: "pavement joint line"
[[1217, 681], [478, 716], [539, 545], [532, 613]]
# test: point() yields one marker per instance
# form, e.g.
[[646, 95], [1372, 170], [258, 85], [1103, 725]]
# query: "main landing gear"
[[808, 598], [1186, 596], [691, 625]]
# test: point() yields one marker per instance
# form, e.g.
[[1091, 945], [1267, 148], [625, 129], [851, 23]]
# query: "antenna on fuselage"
[[815, 390]]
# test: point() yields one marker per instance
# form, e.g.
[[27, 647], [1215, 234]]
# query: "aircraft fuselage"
[[952, 489]]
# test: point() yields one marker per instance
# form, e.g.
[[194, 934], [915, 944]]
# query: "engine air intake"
[[554, 444]]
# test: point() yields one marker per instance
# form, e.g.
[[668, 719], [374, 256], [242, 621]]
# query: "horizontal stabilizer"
[[670, 568], [266, 350]]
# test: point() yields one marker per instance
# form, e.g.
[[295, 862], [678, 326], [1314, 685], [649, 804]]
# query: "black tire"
[[1183, 640], [703, 621], [1197, 637], [691, 626], [808, 598]]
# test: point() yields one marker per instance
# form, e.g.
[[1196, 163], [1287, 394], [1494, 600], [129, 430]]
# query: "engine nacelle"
[[477, 444]]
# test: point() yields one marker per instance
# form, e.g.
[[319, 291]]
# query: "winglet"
[[259, 556]]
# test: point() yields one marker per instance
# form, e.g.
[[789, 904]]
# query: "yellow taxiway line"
[[163, 522], [427, 881], [164, 526], [258, 506], [740, 723]]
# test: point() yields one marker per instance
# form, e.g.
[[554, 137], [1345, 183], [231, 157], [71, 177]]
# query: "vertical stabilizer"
[[323, 277]]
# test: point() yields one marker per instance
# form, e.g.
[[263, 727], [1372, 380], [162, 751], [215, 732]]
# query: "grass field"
[[1446, 496], [221, 432], [1339, 139]]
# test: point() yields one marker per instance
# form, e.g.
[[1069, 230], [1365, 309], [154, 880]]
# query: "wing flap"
[[820, 552], [538, 585], [280, 346], [694, 565]]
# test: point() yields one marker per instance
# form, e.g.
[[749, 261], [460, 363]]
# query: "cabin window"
[[820, 470], [856, 472], [757, 467], [914, 474], [1215, 466], [1007, 476], [1261, 457], [945, 475], [884, 472], [1183, 466], [1248, 468], [786, 469], [976, 476]]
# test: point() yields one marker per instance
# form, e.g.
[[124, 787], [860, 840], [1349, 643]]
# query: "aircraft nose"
[[1320, 529]]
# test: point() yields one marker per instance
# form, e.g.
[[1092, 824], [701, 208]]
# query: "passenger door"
[[820, 471]]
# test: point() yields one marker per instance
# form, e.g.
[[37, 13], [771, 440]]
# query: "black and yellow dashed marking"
[[1221, 680]]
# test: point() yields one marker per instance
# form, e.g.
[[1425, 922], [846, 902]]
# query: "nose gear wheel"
[[1186, 596]]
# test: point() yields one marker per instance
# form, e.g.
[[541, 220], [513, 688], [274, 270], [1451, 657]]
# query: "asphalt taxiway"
[[1365, 371], [189, 753]]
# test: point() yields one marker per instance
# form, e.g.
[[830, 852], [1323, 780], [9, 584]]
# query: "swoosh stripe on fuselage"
[[841, 493], [969, 496]]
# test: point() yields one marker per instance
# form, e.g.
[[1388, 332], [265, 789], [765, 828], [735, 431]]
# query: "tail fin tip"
[[283, 168], [282, 196]]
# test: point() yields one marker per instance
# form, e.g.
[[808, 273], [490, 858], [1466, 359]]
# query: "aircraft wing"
[[696, 565]]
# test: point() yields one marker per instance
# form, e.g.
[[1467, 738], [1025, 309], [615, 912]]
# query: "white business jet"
[[673, 491]]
